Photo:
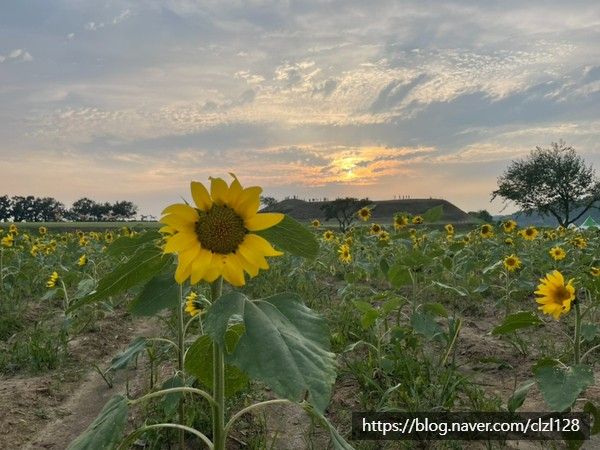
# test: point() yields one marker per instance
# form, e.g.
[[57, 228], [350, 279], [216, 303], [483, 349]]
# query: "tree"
[[23, 208], [344, 210], [123, 210], [5, 208], [551, 181], [82, 210], [48, 209], [482, 214], [267, 201]]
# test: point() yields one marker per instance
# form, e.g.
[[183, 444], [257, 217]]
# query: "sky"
[[134, 99]]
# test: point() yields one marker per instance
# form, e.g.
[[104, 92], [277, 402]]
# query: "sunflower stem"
[[180, 363], [218, 410], [577, 339]]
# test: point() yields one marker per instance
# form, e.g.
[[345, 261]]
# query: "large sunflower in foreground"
[[554, 296], [216, 237]]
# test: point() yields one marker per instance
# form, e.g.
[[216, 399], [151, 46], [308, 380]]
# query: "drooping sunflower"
[[595, 271], [192, 305], [449, 228], [400, 222], [52, 280], [215, 238], [417, 220], [329, 235], [509, 226], [554, 296], [364, 213], [557, 253], [486, 230], [316, 223], [512, 263], [82, 261], [529, 233], [344, 254]]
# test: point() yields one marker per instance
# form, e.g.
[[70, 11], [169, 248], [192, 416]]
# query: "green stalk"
[[180, 363], [577, 340], [218, 410]]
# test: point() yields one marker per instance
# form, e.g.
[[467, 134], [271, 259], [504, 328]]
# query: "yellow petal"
[[177, 222], [250, 268], [233, 272], [235, 192], [219, 190], [263, 221], [253, 257], [249, 201], [183, 210], [258, 244], [200, 195], [180, 242], [200, 265]]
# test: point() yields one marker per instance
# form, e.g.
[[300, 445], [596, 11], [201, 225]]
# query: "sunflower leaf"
[[293, 237], [516, 321], [560, 386], [159, 293]]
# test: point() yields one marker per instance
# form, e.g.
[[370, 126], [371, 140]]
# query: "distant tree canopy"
[[48, 209], [551, 181], [482, 214], [343, 210], [267, 201]]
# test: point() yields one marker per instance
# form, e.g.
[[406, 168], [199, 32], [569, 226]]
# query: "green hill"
[[383, 211]]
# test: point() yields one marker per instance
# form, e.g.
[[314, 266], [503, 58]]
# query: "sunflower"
[[512, 263], [82, 261], [344, 254], [554, 296], [486, 231], [400, 222], [364, 214], [466, 239], [557, 253], [192, 305], [509, 241], [595, 271], [316, 223], [509, 226], [42, 230], [529, 233], [417, 220], [13, 229], [329, 235], [52, 280], [579, 242], [384, 236], [8, 240], [449, 228], [215, 238], [376, 228]]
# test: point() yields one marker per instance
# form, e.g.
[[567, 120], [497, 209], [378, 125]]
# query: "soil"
[[51, 410]]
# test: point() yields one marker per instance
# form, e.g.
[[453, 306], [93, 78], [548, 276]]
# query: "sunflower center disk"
[[562, 294], [220, 230]]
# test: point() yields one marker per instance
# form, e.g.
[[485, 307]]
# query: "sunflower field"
[[256, 312]]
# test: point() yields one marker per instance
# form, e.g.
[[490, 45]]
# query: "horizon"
[[130, 101]]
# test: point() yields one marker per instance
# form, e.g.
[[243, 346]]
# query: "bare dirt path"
[[50, 411]]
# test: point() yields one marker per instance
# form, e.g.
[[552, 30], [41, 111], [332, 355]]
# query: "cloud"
[[16, 55]]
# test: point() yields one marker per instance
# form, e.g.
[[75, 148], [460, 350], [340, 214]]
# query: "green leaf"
[[560, 387], [369, 318], [142, 266], [286, 345], [434, 214], [159, 293], [337, 441], [171, 401], [589, 331], [399, 275], [437, 309], [126, 356], [293, 237], [199, 363], [106, 431], [461, 292], [84, 287], [516, 321], [425, 324], [220, 313], [518, 398], [391, 305], [126, 245], [362, 306], [384, 266]]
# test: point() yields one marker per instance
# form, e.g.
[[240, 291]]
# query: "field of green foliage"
[[402, 317]]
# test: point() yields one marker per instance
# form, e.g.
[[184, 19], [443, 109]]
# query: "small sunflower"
[[509, 226], [52, 280], [316, 223], [400, 222], [595, 271], [384, 236], [8, 240], [449, 228], [192, 305], [417, 220], [579, 242], [509, 241], [82, 261], [557, 253], [512, 263], [42, 230], [364, 213], [375, 228], [13, 229], [329, 235], [529, 233], [554, 296], [344, 254], [216, 237], [486, 230]]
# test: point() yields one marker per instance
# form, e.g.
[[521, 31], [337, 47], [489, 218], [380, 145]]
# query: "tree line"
[[48, 209]]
